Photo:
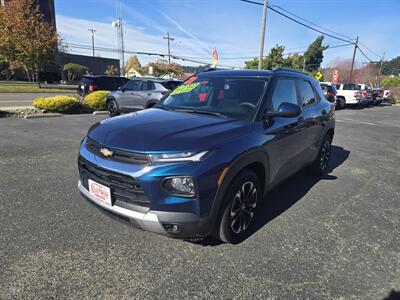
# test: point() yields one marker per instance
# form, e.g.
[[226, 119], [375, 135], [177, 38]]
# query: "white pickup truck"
[[349, 94]]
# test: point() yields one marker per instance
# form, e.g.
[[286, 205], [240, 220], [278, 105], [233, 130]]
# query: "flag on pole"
[[215, 57]]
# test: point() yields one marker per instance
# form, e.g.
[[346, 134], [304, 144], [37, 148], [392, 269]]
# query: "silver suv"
[[139, 93]]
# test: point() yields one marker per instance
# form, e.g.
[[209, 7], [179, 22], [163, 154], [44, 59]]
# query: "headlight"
[[180, 186], [177, 157]]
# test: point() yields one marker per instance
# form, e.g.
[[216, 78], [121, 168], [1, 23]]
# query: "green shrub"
[[391, 82], [61, 104], [97, 100]]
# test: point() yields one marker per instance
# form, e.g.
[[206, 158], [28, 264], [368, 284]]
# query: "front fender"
[[254, 155]]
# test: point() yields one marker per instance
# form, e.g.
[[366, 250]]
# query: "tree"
[[25, 36], [294, 61], [133, 63], [314, 55], [75, 71], [391, 67], [162, 68], [274, 59], [111, 70]]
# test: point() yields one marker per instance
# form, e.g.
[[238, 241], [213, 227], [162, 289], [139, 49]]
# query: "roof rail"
[[288, 70]]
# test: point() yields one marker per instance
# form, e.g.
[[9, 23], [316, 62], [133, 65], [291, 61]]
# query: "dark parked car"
[[139, 93], [201, 161], [377, 96], [329, 91], [92, 83]]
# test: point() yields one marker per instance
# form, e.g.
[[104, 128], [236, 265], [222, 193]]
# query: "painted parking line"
[[350, 121]]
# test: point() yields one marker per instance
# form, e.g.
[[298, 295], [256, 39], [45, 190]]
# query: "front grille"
[[118, 155], [124, 189]]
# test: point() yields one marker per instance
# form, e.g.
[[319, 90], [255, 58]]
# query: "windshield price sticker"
[[185, 88]]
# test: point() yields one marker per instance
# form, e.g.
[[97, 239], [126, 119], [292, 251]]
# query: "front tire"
[[112, 108], [241, 200], [320, 164]]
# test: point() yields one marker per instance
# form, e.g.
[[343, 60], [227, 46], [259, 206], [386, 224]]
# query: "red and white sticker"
[[100, 191]]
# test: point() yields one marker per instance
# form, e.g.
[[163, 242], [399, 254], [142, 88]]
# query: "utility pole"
[[92, 31], [304, 63], [264, 20], [380, 70], [352, 62], [168, 38]]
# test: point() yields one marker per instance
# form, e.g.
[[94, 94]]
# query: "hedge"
[[390, 82], [97, 100], [61, 104]]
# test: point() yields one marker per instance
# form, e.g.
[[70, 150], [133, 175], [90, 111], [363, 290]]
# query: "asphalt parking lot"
[[320, 238]]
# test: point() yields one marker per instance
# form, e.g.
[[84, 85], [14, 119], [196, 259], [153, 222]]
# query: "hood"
[[159, 130]]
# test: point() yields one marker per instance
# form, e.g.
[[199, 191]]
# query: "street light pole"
[[264, 19], [168, 38], [92, 31]]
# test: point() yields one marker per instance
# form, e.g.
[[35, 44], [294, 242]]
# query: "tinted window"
[[119, 81], [133, 85], [170, 85], [232, 97], [351, 86], [147, 86], [87, 80], [307, 96], [285, 91]]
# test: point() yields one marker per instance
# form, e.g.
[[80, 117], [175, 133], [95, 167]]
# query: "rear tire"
[[321, 163], [112, 108], [241, 201], [342, 103]]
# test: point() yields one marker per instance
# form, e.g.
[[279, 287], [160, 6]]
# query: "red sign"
[[335, 76]]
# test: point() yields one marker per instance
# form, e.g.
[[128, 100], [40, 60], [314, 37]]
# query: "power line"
[[364, 54], [303, 19], [370, 50], [301, 23], [105, 49], [289, 53]]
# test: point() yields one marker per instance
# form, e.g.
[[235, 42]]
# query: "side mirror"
[[285, 110]]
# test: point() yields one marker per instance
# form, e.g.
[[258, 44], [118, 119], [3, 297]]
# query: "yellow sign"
[[185, 88], [319, 75]]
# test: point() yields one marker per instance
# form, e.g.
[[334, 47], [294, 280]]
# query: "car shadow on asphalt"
[[286, 194]]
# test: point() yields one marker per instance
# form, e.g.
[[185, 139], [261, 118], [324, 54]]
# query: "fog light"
[[180, 186], [172, 228]]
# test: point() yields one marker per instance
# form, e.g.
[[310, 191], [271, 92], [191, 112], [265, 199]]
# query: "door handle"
[[149, 94], [324, 112]]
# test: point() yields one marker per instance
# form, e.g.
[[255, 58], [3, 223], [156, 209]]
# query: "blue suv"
[[201, 161]]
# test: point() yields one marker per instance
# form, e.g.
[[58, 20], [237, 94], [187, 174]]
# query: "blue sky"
[[232, 26]]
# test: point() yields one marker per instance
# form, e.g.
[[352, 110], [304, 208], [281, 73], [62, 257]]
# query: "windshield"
[[230, 97]]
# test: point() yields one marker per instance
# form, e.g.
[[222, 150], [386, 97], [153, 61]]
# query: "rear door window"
[[147, 86], [284, 91], [133, 85], [307, 95]]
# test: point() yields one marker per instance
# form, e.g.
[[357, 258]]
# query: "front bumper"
[[189, 224], [147, 221]]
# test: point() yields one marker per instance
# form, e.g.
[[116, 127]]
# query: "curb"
[[47, 115], [100, 112]]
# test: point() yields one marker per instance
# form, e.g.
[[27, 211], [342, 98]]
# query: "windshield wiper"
[[213, 113]]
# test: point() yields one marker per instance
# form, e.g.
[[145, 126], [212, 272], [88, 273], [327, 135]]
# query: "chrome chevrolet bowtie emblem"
[[106, 152]]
